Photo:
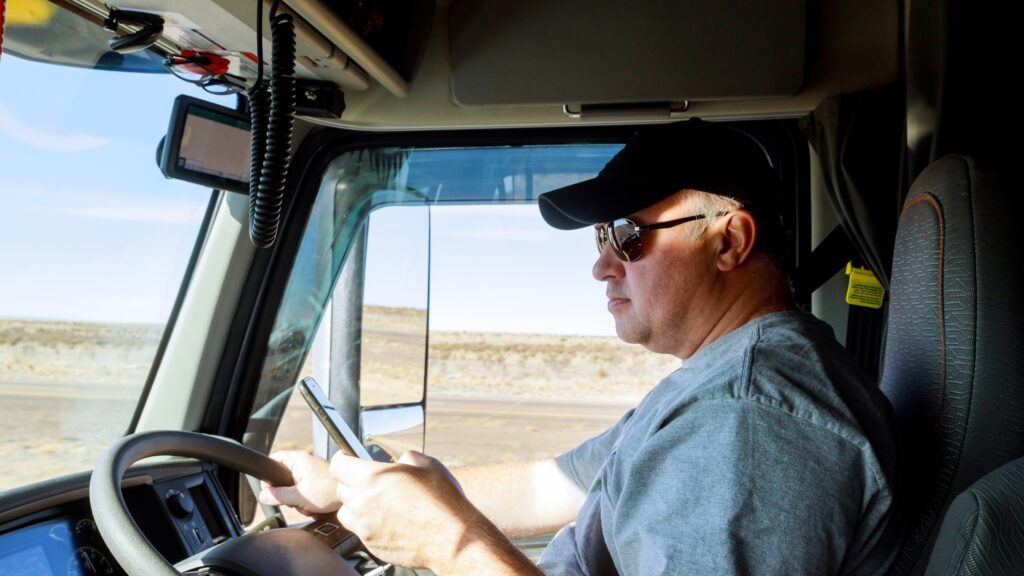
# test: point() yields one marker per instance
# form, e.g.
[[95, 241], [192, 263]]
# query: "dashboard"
[[48, 529], [67, 545]]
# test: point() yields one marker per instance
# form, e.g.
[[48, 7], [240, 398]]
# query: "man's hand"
[[314, 491], [414, 514]]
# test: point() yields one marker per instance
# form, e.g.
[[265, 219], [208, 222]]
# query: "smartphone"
[[340, 432]]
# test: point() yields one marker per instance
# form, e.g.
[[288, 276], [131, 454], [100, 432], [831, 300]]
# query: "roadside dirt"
[[69, 389]]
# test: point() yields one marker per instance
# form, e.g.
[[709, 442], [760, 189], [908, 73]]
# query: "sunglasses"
[[625, 236]]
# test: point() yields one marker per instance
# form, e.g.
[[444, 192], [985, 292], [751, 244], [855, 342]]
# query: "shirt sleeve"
[[581, 464], [734, 487]]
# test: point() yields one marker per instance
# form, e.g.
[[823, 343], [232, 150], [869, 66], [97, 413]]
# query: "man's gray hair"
[[710, 205]]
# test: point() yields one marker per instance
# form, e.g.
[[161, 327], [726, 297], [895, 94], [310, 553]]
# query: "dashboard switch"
[[180, 503], [326, 529]]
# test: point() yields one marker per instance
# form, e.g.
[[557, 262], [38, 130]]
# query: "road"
[[478, 430], [471, 431], [70, 391], [55, 429]]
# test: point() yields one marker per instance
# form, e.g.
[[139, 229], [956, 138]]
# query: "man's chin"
[[628, 333]]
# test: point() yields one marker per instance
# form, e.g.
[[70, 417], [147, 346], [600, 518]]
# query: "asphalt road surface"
[[47, 430], [56, 429], [478, 430]]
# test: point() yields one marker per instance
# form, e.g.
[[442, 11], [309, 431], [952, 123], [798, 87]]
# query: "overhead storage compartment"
[[524, 52]]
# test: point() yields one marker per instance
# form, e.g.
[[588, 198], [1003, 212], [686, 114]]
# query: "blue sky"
[[92, 230], [531, 276], [493, 269]]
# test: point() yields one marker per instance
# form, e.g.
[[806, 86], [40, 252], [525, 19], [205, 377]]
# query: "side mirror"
[[393, 429], [371, 348]]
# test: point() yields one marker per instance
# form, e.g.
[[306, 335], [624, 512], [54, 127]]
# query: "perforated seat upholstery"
[[982, 533], [954, 348]]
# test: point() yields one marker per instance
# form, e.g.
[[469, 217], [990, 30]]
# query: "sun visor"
[[529, 51]]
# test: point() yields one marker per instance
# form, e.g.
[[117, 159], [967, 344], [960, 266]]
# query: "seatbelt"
[[864, 327], [822, 264], [865, 335]]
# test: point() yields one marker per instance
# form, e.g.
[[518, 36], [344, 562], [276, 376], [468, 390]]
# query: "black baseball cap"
[[661, 160]]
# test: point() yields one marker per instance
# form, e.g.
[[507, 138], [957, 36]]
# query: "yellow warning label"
[[29, 12], [864, 289]]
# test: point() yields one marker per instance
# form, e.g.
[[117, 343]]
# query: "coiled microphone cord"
[[258, 102], [272, 133]]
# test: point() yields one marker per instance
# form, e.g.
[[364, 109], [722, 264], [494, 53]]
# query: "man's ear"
[[738, 232]]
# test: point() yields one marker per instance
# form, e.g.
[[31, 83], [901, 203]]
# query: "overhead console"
[[527, 63], [525, 52], [349, 43]]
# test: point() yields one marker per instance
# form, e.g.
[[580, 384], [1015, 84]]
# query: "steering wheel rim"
[[130, 547]]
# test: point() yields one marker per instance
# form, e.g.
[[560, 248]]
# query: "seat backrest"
[[954, 348], [982, 533]]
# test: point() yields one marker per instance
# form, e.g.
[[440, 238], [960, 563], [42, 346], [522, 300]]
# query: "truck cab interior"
[[339, 128]]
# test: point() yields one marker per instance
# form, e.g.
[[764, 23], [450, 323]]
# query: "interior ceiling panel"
[[526, 52]]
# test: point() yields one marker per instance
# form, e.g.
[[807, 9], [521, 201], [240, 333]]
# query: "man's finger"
[[343, 492], [345, 517], [414, 458], [286, 457], [281, 496], [420, 460], [353, 471]]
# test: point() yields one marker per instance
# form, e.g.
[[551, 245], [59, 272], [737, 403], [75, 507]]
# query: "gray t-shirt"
[[768, 452]]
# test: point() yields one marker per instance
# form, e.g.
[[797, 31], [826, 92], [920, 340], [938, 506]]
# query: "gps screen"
[[215, 144]]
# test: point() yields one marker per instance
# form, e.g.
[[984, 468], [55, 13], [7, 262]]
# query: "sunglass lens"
[[626, 239], [600, 237]]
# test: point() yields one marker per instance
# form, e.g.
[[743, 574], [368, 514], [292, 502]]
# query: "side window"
[[523, 359], [434, 267]]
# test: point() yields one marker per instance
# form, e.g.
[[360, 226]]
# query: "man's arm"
[[522, 498], [533, 498], [413, 514]]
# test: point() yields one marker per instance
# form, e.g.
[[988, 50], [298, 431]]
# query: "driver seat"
[[954, 354]]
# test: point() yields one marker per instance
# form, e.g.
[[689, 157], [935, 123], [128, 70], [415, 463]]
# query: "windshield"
[[95, 244]]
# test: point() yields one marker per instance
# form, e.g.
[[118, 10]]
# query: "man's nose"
[[608, 266]]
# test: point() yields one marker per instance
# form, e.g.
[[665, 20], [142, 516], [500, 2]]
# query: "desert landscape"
[[67, 389]]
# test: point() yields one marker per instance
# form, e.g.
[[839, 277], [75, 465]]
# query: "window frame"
[[172, 320]]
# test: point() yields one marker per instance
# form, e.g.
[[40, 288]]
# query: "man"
[[767, 452]]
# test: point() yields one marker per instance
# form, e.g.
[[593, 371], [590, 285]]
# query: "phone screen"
[[340, 432]]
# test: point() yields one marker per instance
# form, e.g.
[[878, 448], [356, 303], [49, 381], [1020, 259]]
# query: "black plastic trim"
[[59, 491]]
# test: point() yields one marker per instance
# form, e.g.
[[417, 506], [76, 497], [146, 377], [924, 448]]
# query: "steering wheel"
[[285, 551]]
